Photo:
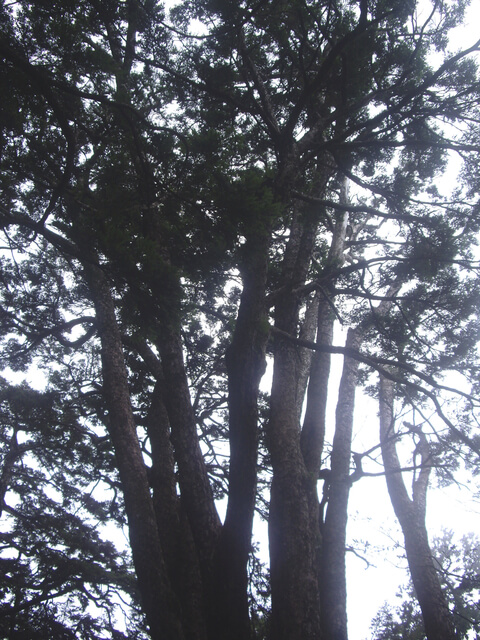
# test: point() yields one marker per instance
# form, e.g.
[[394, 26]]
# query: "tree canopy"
[[190, 197]]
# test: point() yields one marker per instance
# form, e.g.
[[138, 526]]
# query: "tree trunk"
[[293, 523], [411, 516], [245, 367], [333, 570], [196, 493], [305, 356], [313, 431], [294, 534], [174, 528], [195, 490], [160, 605]]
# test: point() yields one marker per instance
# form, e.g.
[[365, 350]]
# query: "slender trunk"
[[305, 357], [160, 605], [245, 366], [411, 516], [313, 431], [333, 570], [199, 522]]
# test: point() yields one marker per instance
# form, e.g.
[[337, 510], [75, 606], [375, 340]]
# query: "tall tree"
[[173, 203]]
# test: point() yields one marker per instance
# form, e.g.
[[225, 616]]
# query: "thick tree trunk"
[[333, 570], [294, 534], [160, 605], [411, 516], [245, 366]]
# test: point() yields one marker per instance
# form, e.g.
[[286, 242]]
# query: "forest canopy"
[[200, 205]]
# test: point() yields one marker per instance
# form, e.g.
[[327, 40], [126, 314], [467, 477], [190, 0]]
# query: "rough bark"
[[160, 605], [245, 366], [410, 512], [333, 570], [294, 535], [173, 524]]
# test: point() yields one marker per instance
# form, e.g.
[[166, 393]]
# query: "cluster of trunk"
[[192, 570]]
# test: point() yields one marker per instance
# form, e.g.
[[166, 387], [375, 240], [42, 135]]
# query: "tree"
[[174, 205], [61, 576], [457, 566], [411, 513]]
